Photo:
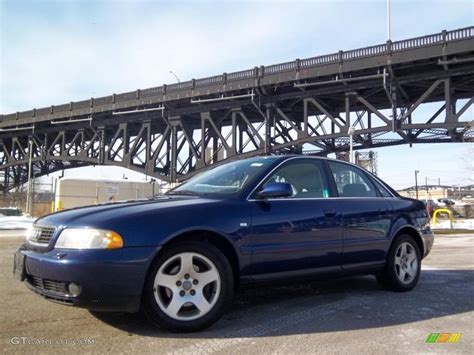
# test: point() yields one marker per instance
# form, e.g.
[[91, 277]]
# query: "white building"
[[74, 192]]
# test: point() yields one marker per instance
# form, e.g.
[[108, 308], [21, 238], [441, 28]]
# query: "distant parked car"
[[181, 256], [446, 202], [10, 211]]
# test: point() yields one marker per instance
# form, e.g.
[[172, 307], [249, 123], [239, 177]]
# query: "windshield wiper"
[[183, 192]]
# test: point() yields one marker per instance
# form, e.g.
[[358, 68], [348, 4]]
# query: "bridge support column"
[[396, 123], [233, 150], [174, 122], [347, 106], [5, 181], [101, 133], [451, 118], [201, 163], [269, 123], [126, 145]]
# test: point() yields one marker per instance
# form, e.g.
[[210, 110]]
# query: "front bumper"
[[110, 280]]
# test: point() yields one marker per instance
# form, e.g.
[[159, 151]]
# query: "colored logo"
[[443, 338]]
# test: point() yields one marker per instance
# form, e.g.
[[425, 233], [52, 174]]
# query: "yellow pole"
[[443, 210]]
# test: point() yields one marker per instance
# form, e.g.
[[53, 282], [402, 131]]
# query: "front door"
[[300, 233]]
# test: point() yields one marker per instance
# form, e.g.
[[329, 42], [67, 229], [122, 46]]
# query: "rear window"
[[383, 190], [351, 182]]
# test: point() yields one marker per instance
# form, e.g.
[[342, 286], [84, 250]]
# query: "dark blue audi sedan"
[[181, 256]]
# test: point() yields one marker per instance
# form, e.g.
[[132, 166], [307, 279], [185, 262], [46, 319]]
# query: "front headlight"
[[31, 234], [88, 238]]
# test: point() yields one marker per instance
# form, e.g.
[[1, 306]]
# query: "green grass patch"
[[452, 231]]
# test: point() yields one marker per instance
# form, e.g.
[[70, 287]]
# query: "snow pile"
[[15, 222], [457, 224]]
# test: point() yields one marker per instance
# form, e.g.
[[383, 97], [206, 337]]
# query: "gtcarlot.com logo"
[[48, 341], [443, 338]]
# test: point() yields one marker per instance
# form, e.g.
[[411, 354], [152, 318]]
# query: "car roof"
[[283, 157]]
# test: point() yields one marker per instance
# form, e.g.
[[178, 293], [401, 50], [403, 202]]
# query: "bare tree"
[[469, 160]]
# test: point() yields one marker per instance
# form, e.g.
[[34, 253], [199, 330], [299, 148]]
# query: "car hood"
[[100, 215]]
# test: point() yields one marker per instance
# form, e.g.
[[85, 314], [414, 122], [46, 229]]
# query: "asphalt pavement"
[[333, 316]]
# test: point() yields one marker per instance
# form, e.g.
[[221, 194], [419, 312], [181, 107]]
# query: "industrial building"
[[75, 192], [434, 192]]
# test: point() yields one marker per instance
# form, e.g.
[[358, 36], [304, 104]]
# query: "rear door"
[[366, 216], [300, 233]]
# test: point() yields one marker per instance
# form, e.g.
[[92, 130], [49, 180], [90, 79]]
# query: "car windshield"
[[226, 179]]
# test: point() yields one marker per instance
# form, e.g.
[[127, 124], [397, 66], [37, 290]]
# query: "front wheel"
[[403, 268], [188, 287]]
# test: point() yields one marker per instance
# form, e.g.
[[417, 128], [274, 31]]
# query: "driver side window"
[[306, 178]]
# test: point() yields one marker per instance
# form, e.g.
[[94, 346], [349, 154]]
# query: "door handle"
[[330, 213]]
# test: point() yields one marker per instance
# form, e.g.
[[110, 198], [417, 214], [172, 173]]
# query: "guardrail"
[[387, 48]]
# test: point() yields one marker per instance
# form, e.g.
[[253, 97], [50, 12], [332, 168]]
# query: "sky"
[[53, 52]]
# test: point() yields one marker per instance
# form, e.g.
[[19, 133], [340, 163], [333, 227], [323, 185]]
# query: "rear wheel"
[[188, 287], [403, 268]]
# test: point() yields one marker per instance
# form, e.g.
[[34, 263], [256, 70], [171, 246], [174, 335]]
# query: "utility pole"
[[28, 194], [351, 134], [389, 21], [416, 183], [426, 186], [55, 207]]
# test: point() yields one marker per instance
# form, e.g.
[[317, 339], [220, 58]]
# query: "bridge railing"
[[217, 79], [152, 91], [43, 111], [386, 48], [321, 60], [125, 96], [365, 52], [240, 75], [99, 101], [280, 68], [462, 33], [184, 85]]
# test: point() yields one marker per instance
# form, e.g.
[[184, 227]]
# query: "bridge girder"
[[384, 103]]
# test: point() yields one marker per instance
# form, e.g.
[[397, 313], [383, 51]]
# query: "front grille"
[[57, 287], [42, 235], [46, 234]]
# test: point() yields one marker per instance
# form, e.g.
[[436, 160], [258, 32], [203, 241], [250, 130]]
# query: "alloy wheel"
[[187, 286], [406, 263]]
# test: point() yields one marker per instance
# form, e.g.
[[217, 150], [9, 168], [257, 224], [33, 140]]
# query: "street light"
[[351, 131], [176, 77], [389, 22], [416, 183]]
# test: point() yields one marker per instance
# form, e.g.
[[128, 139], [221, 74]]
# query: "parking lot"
[[351, 314]]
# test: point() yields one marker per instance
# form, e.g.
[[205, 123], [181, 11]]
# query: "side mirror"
[[275, 189]]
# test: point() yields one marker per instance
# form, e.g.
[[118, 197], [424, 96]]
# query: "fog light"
[[74, 289]]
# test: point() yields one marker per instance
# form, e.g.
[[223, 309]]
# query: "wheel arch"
[[217, 239], [412, 231]]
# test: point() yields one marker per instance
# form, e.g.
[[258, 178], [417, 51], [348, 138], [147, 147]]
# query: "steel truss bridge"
[[418, 90]]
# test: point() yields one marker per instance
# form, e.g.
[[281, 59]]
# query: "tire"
[[403, 267], [188, 288]]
